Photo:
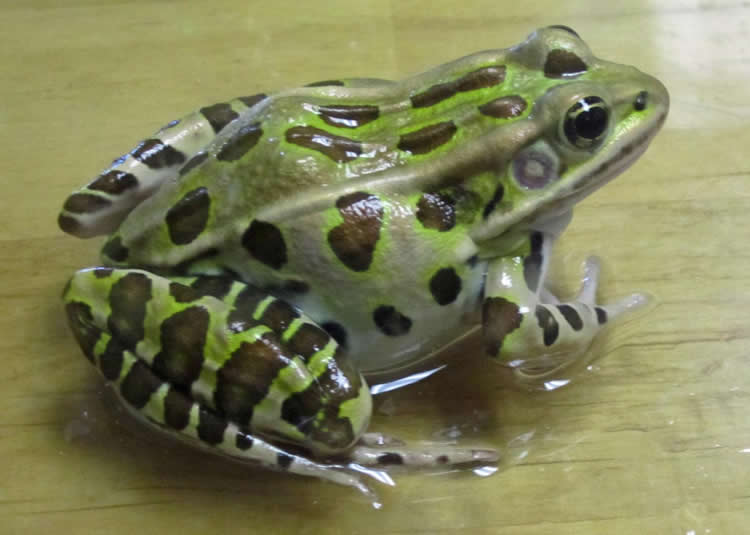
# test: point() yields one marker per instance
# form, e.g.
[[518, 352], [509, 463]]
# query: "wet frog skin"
[[265, 253]]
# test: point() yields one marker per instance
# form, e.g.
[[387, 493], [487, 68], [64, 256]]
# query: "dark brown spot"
[[428, 138], [500, 317], [504, 107], [571, 316], [243, 381], [115, 250], [479, 79], [85, 203], [315, 410], [442, 459], [193, 162], [241, 317], [211, 427], [240, 143], [390, 458], [348, 116], [562, 64], [296, 286], [114, 182], [183, 336], [69, 224], [110, 362], [496, 198], [324, 83], [102, 272], [354, 240], [219, 115], [157, 155], [336, 330], [243, 441], [390, 321], [436, 211], [532, 263], [81, 322], [182, 293], [548, 324], [177, 409], [308, 340], [188, 218], [337, 148], [252, 100], [278, 316], [217, 287], [139, 384], [601, 315], [265, 243], [445, 286], [127, 300], [284, 460]]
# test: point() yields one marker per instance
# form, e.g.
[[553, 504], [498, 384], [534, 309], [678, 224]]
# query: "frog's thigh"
[[220, 363], [522, 321]]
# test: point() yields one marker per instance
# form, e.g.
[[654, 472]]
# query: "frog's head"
[[590, 120]]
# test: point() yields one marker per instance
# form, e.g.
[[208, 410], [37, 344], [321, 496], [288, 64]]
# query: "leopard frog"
[[265, 254]]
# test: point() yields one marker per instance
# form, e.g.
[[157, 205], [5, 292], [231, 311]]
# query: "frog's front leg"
[[525, 325]]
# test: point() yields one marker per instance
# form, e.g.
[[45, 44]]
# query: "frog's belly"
[[384, 328]]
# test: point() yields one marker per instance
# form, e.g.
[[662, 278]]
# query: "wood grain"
[[653, 439]]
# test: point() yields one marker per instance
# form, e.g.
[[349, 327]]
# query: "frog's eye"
[[585, 124]]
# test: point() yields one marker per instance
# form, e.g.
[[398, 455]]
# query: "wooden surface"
[[654, 438]]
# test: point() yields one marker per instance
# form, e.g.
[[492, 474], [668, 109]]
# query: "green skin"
[[285, 244]]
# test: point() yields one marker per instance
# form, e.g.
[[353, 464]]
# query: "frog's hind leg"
[[100, 206], [525, 325], [221, 365]]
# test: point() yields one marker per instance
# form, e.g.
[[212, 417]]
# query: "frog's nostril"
[[641, 101]]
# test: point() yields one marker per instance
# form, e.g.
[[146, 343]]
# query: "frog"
[[267, 254]]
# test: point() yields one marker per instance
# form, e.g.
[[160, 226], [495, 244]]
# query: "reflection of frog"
[[266, 251]]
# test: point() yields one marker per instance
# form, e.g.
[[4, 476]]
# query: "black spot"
[[437, 211], [114, 182], [115, 250], [243, 441], [445, 286], [265, 243], [102, 272], [353, 241], [156, 155], [252, 100], [428, 138], [496, 198], [548, 324], [336, 330], [504, 107], [500, 317], [348, 116], [219, 115], [324, 83], [390, 321], [182, 293], [211, 427], [390, 459], [241, 317], [177, 409], [217, 287], [601, 315], [641, 101], [187, 219], [308, 340], [532, 264], [338, 148], [571, 316], [442, 459], [296, 286], [139, 384], [81, 322], [278, 315], [284, 460]]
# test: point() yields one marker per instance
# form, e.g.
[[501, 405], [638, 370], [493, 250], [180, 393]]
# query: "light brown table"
[[654, 439]]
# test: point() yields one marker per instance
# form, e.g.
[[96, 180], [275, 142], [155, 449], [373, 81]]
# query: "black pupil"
[[592, 123]]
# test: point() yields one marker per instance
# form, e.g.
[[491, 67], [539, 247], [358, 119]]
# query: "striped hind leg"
[[525, 325], [100, 206]]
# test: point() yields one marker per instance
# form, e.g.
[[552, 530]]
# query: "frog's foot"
[[376, 450], [569, 328]]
